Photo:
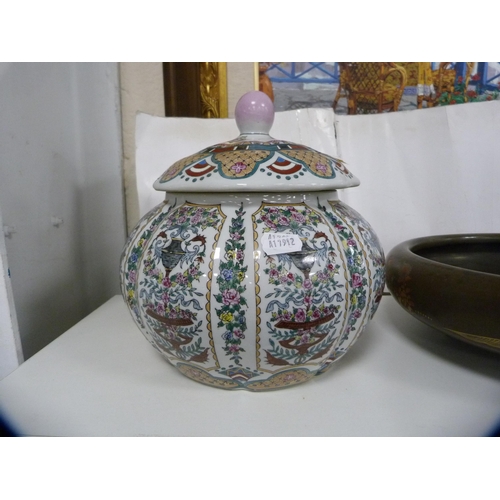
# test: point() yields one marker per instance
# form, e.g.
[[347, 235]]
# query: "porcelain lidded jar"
[[252, 274]]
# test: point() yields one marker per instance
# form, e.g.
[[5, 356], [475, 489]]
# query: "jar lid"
[[255, 161]]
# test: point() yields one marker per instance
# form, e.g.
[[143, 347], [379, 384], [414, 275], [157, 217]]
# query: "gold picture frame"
[[213, 89], [206, 89]]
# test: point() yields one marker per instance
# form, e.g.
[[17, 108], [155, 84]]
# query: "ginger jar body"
[[252, 281]]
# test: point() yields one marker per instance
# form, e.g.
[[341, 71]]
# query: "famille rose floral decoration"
[[252, 274]]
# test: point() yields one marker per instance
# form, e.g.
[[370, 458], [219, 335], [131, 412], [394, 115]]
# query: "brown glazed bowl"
[[451, 283]]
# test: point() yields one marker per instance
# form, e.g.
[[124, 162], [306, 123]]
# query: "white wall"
[[141, 86], [11, 355], [60, 157]]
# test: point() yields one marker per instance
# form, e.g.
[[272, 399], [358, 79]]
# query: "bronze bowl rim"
[[413, 245]]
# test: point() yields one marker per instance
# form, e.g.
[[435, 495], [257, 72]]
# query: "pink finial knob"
[[254, 113]]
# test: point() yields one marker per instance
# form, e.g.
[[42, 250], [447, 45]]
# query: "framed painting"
[[195, 89]]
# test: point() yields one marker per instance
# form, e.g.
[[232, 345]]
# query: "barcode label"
[[274, 244]]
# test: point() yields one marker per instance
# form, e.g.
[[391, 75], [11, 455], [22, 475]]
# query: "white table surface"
[[402, 378]]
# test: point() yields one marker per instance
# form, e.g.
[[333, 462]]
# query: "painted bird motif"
[[305, 258], [178, 251]]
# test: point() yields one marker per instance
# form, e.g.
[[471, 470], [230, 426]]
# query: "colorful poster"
[[365, 88]]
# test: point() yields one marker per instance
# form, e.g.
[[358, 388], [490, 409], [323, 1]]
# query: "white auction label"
[[274, 244]]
